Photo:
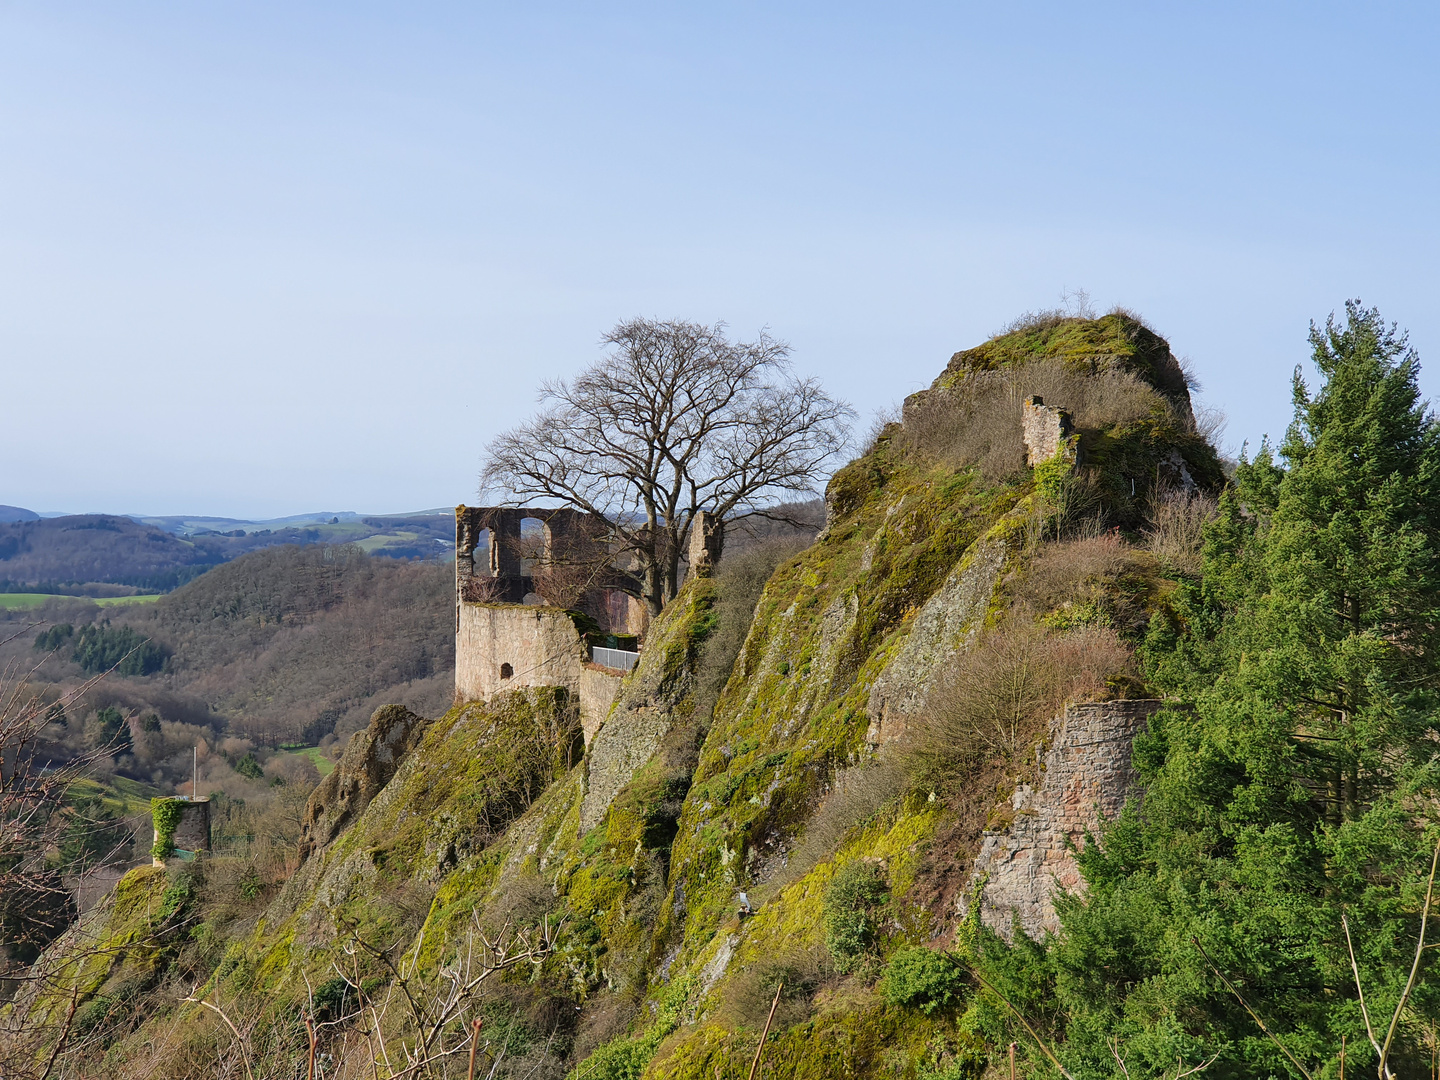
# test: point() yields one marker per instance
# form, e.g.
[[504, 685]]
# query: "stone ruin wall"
[[1044, 429], [503, 642], [538, 646], [1087, 778]]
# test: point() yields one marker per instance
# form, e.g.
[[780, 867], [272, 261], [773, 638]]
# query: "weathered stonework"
[[1087, 778], [192, 831], [505, 646], [1045, 429], [707, 540]]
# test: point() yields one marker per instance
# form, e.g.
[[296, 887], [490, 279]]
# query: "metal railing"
[[619, 659]]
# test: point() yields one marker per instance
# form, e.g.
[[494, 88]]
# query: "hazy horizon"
[[263, 258]]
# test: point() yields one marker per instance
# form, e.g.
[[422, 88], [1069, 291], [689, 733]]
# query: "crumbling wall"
[[505, 646], [1044, 428], [1087, 778], [599, 687]]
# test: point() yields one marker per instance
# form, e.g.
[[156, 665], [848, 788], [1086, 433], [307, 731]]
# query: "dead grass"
[[976, 422], [1175, 534], [1097, 579], [855, 795]]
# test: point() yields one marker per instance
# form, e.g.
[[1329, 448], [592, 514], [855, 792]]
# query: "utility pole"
[[195, 772]]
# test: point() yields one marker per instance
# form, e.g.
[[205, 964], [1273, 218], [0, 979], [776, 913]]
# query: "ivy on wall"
[[165, 812]]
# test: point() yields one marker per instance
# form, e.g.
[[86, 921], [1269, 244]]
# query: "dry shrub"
[[856, 794], [977, 420], [607, 1014], [1093, 580], [1176, 533], [523, 900], [997, 699], [797, 975]]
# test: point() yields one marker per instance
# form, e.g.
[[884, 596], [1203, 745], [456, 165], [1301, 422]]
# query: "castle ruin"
[[551, 600]]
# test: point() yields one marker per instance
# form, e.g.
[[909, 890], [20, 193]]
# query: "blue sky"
[[259, 259]]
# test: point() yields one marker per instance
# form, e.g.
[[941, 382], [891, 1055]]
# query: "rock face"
[[1088, 777], [647, 706], [946, 625], [370, 760]]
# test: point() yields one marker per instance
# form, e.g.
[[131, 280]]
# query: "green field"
[[20, 601], [125, 797], [324, 764]]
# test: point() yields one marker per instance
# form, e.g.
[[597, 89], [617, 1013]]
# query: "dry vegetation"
[[997, 700], [1175, 535], [976, 422]]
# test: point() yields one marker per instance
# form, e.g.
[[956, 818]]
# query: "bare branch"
[[674, 419]]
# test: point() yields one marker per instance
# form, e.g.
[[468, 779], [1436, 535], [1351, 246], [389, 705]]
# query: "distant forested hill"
[[286, 644], [292, 642], [109, 555], [58, 554]]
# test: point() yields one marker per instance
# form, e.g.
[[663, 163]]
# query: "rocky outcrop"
[[1087, 778], [370, 760], [945, 625], [649, 702]]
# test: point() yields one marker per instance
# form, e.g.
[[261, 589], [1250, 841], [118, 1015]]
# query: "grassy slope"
[[649, 911], [25, 601]]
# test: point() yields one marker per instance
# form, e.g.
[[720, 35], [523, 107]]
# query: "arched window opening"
[[506, 671]]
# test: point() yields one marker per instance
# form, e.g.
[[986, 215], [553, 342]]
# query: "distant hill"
[[17, 513], [109, 555], [284, 644]]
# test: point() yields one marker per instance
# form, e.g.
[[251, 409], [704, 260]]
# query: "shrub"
[[996, 699], [851, 900], [751, 993], [856, 794], [920, 978], [1176, 531]]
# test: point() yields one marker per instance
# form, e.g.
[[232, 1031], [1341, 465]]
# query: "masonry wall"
[[1087, 778], [541, 647], [1044, 429]]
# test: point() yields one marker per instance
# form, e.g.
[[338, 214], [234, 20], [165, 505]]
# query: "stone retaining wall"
[[1087, 778]]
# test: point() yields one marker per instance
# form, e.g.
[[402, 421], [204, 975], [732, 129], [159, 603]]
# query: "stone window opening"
[[506, 671]]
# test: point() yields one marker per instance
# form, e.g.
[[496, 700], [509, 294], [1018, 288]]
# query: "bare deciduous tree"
[[38, 984], [675, 419]]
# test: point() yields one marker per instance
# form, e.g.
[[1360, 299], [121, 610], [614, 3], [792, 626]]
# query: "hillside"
[[868, 808], [103, 555], [283, 645]]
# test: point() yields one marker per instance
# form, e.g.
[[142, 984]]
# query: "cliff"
[[819, 748]]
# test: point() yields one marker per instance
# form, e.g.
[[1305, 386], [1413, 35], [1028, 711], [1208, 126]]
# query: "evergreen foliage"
[[1292, 781], [101, 647], [923, 979], [851, 900]]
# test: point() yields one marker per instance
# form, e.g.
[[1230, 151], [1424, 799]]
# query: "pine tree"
[[1294, 781]]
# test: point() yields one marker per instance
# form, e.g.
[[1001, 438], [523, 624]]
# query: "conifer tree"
[[1294, 780]]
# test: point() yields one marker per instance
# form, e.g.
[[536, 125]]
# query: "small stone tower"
[[1044, 428], [186, 822]]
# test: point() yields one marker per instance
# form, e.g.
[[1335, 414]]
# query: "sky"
[[262, 259]]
